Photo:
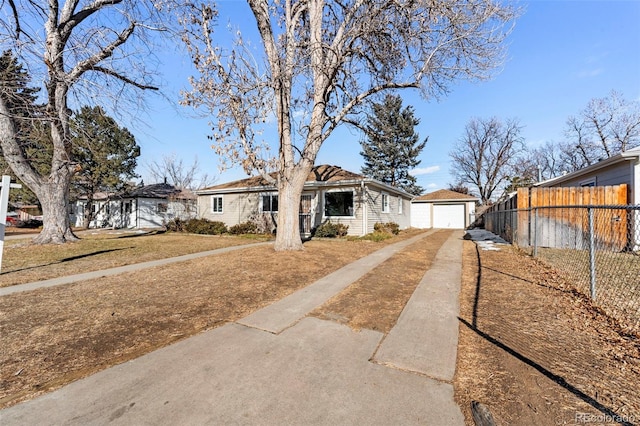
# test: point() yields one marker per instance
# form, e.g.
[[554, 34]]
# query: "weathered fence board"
[[556, 225]]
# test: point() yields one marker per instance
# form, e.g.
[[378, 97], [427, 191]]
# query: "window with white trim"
[[589, 182], [399, 205], [162, 207], [270, 203], [338, 203], [216, 204], [385, 203]]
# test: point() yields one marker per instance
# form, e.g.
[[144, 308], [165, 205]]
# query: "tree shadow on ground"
[[549, 374], [66, 259], [473, 326]]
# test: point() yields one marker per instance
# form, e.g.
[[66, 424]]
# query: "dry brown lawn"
[[55, 335], [536, 352], [25, 262]]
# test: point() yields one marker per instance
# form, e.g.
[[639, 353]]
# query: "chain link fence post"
[[592, 254], [535, 232]]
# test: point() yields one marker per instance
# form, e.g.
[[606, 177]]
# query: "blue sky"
[[560, 55]]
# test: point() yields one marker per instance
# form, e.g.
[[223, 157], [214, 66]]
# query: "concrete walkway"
[[311, 372]]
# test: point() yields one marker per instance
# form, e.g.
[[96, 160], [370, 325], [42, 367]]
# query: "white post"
[[4, 203]]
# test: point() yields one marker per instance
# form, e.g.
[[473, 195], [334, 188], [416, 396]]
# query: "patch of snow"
[[484, 239]]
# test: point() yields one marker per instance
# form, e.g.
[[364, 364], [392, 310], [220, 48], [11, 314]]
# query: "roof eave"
[[447, 200], [618, 158], [307, 185]]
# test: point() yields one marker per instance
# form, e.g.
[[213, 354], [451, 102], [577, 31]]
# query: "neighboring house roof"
[[445, 195], [322, 175], [629, 155], [100, 196], [160, 190]]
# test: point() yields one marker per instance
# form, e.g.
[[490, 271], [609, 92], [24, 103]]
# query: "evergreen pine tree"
[[22, 103], [106, 155], [392, 146]]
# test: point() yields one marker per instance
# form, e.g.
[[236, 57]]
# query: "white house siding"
[[147, 214], [108, 214], [236, 207], [376, 215]]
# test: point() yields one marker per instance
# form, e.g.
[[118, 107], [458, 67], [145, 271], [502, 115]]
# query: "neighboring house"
[[148, 206], [330, 194], [443, 209], [623, 168]]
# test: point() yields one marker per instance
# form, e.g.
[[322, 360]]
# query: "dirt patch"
[[53, 336], [535, 352], [376, 300]]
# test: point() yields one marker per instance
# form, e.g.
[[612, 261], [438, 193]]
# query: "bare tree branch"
[[121, 77]]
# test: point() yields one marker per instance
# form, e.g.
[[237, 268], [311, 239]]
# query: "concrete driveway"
[[278, 366]]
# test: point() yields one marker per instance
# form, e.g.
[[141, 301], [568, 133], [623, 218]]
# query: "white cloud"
[[432, 185], [590, 73], [424, 170]]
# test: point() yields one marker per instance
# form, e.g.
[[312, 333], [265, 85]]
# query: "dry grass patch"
[[25, 262], [376, 300], [53, 336], [536, 352]]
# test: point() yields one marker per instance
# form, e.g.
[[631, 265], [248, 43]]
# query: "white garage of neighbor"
[[443, 209]]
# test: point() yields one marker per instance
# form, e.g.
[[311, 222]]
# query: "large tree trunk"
[[56, 227], [290, 186]]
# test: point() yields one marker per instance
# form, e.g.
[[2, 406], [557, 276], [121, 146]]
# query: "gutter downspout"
[[364, 209]]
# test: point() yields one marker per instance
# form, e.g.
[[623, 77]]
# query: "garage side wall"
[[421, 215]]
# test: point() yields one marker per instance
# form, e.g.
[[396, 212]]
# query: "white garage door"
[[449, 216], [421, 215]]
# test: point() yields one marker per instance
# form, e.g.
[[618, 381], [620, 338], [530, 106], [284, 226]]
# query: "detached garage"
[[443, 209]]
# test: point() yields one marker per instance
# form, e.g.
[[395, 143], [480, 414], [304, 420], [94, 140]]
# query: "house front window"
[[385, 203], [399, 205], [162, 208], [338, 203], [216, 204], [269, 203]]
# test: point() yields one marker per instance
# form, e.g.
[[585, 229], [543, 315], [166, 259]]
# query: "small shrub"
[[176, 225], [205, 227], [244, 228], [377, 236], [389, 228], [331, 230]]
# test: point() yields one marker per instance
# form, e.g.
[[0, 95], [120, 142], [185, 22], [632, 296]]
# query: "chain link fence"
[[597, 248]]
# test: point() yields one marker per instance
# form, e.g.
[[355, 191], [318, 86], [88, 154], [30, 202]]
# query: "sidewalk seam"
[[407, 370]]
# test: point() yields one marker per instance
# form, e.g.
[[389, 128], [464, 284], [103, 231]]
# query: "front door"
[[305, 214]]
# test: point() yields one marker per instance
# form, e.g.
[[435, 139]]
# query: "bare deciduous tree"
[[79, 50], [179, 174], [320, 62], [548, 160], [485, 156], [606, 127]]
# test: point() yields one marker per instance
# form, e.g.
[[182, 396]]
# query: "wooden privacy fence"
[[558, 217], [554, 218]]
